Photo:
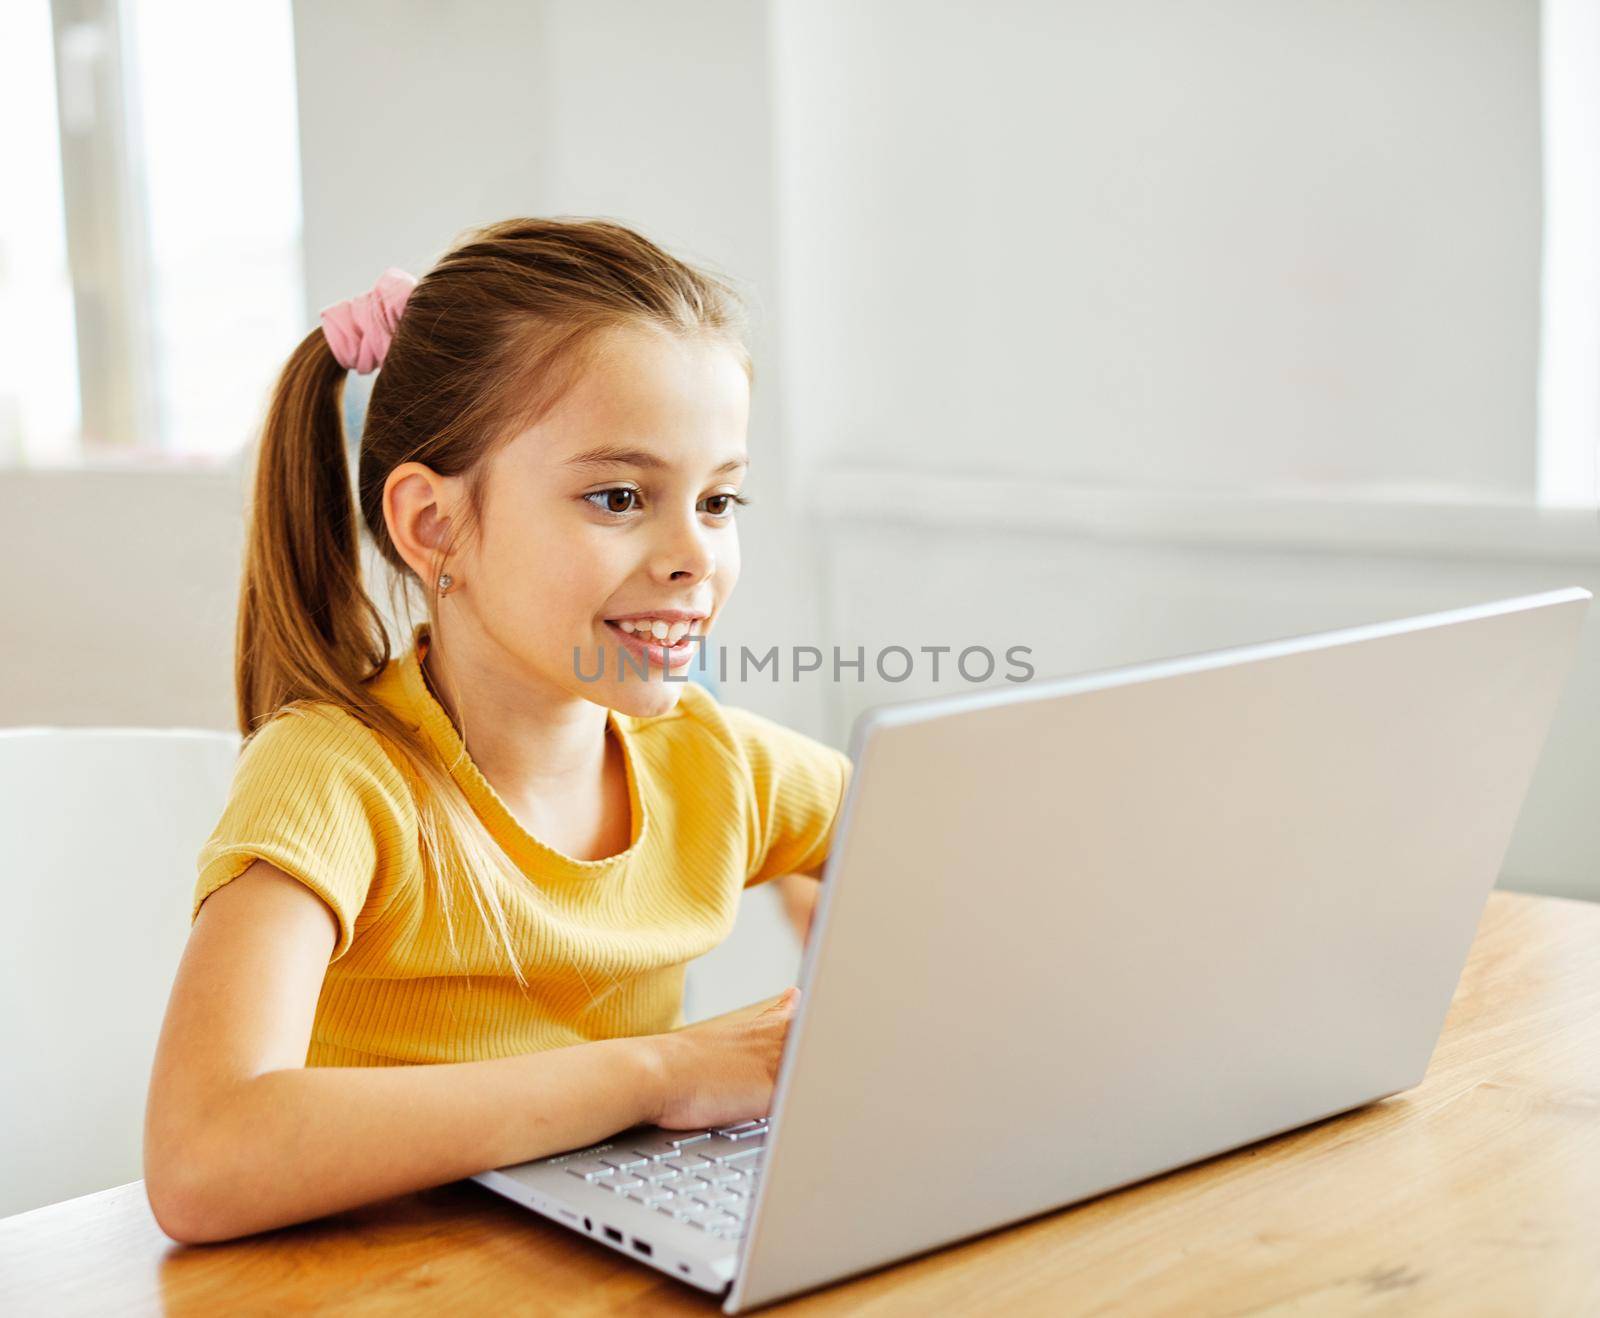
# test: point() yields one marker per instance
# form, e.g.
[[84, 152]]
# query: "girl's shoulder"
[[316, 794], [324, 746], [793, 785], [758, 747]]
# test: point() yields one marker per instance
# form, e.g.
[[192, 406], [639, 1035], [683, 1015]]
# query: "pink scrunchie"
[[359, 329]]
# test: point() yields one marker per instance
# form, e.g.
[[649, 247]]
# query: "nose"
[[684, 554]]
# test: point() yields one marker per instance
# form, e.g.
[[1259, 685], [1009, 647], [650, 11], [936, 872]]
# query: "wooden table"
[[1477, 1192]]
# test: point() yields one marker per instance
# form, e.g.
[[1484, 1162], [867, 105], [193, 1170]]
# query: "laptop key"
[[681, 1182], [622, 1184], [741, 1126], [656, 1146], [744, 1158], [719, 1148], [622, 1160], [686, 1210]]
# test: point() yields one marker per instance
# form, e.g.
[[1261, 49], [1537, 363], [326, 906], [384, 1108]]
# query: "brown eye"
[[721, 506], [619, 499]]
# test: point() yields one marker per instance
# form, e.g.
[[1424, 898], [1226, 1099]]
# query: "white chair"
[[99, 830]]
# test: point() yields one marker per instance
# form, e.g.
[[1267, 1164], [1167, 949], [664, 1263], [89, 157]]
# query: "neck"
[[532, 742]]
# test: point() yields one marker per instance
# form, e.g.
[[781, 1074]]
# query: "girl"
[[442, 924]]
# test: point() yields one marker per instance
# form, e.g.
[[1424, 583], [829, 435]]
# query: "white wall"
[[119, 599], [1199, 244]]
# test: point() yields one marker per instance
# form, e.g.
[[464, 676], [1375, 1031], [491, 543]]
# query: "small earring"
[[445, 582]]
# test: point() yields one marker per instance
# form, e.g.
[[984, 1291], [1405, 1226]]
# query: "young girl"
[[442, 924]]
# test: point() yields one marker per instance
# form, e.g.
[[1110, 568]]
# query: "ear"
[[418, 507]]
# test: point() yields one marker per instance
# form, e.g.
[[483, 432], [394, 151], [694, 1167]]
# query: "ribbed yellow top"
[[721, 798]]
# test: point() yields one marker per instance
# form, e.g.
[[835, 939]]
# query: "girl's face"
[[608, 528]]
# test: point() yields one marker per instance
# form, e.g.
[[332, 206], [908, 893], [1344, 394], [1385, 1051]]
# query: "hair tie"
[[359, 328]]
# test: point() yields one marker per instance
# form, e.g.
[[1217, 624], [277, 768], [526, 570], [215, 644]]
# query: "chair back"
[[99, 831]]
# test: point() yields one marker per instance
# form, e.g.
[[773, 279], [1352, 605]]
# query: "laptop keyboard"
[[706, 1178]]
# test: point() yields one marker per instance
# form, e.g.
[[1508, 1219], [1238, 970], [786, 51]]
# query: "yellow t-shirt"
[[721, 798]]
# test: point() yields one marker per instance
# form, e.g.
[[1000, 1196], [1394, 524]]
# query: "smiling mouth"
[[667, 643], [661, 631]]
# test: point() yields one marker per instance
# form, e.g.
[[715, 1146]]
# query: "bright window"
[[38, 352], [150, 278], [1569, 357]]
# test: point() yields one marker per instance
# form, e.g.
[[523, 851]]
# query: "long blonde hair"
[[491, 338]]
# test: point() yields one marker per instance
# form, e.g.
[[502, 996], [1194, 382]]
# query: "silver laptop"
[[1081, 932]]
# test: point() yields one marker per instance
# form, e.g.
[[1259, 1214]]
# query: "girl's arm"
[[799, 894], [240, 1136]]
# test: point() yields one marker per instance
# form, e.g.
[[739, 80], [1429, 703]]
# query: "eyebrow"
[[610, 456]]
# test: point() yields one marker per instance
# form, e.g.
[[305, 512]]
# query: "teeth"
[[658, 628]]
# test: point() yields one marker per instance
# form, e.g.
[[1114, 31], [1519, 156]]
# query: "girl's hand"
[[723, 1070]]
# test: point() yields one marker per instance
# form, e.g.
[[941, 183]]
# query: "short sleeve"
[[316, 795], [798, 785]]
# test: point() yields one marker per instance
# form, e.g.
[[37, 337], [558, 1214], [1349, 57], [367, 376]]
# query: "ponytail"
[[307, 629]]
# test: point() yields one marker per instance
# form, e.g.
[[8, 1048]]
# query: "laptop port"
[[643, 1248], [613, 1234], [588, 1224]]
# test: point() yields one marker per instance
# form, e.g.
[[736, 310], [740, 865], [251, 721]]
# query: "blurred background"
[[1114, 330]]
